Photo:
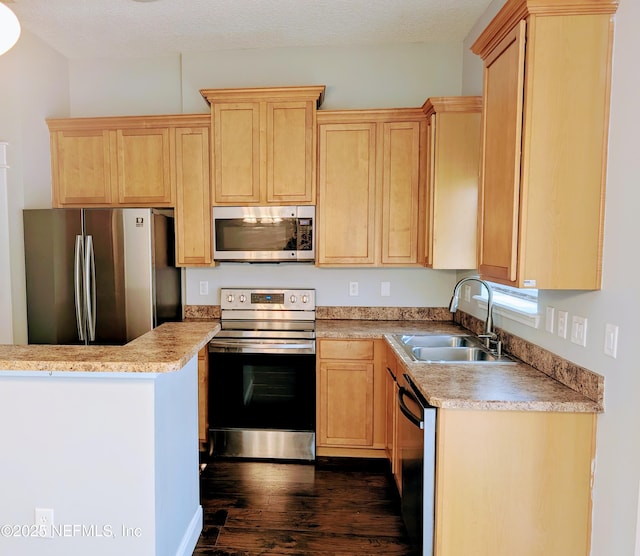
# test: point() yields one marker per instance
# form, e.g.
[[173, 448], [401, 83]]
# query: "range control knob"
[[243, 298], [305, 298], [293, 299], [230, 298]]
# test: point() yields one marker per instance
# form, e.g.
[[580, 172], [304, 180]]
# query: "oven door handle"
[[242, 346]]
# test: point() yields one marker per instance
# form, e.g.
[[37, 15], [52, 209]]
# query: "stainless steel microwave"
[[264, 234]]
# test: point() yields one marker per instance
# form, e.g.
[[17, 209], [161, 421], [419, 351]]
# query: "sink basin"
[[449, 348], [438, 341], [453, 354]]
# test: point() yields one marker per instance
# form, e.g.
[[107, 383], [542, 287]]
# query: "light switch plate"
[[550, 319], [579, 330], [563, 317], [466, 293], [353, 289], [611, 340], [385, 289]]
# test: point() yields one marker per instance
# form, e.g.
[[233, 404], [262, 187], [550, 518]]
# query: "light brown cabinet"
[[139, 161], [193, 196], [263, 147], [124, 161], [350, 398], [391, 415], [546, 96], [507, 482], [203, 398], [371, 187], [453, 167], [513, 482]]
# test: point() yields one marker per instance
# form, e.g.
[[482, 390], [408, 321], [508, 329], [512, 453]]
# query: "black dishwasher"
[[416, 445]]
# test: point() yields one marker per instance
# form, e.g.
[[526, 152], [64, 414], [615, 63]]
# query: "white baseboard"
[[191, 535]]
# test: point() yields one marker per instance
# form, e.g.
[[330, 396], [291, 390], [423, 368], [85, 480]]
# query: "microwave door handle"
[[78, 287]]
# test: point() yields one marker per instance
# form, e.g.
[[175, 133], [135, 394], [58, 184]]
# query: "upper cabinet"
[[264, 145], [453, 166], [370, 187], [547, 71], [193, 194], [146, 161], [111, 162]]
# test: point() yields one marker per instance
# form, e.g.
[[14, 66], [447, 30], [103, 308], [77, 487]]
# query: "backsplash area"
[[574, 376], [584, 381]]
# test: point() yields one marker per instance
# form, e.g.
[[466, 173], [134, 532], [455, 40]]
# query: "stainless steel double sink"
[[449, 348]]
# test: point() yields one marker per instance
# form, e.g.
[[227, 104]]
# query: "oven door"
[[262, 405], [263, 233]]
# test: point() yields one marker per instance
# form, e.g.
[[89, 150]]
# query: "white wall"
[[34, 86], [409, 287], [615, 516], [356, 77], [114, 455]]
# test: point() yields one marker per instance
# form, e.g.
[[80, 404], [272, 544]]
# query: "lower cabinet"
[[391, 415], [203, 398], [507, 482], [513, 482], [350, 398]]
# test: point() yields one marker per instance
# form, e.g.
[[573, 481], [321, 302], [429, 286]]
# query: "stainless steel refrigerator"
[[99, 276]]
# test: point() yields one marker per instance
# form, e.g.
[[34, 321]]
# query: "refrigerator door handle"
[[78, 286], [90, 288]]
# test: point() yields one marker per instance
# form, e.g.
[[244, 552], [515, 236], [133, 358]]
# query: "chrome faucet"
[[489, 335]]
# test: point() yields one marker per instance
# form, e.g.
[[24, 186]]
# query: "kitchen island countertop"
[[165, 349]]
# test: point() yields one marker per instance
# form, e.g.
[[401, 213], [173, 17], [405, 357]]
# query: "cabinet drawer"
[[342, 349]]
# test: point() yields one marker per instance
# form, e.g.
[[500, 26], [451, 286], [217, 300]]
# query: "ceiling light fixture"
[[9, 29]]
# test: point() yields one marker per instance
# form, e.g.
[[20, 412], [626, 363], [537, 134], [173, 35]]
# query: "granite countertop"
[[515, 386], [164, 349]]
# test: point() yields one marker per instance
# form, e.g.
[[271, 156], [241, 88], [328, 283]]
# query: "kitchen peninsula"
[[107, 438]]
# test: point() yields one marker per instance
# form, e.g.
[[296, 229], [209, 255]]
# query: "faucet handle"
[[490, 338]]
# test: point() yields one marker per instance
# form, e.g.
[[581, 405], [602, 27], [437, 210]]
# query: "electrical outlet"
[[466, 293], [579, 330], [353, 289], [385, 289], [563, 318], [204, 288], [44, 522], [550, 319], [611, 340]]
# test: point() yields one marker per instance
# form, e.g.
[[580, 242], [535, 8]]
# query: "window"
[[512, 303]]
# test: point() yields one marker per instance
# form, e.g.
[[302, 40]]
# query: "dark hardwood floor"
[[333, 506]]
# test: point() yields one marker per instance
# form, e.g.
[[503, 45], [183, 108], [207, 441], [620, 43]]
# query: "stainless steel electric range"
[[262, 377]]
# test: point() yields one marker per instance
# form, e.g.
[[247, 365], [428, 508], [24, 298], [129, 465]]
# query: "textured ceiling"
[[130, 28]]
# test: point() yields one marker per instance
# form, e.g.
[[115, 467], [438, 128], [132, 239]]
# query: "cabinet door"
[[391, 414], [290, 143], [346, 403], [144, 167], [346, 196], [454, 158], [400, 191], [236, 153], [81, 167], [502, 137], [193, 203], [203, 398], [513, 482]]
